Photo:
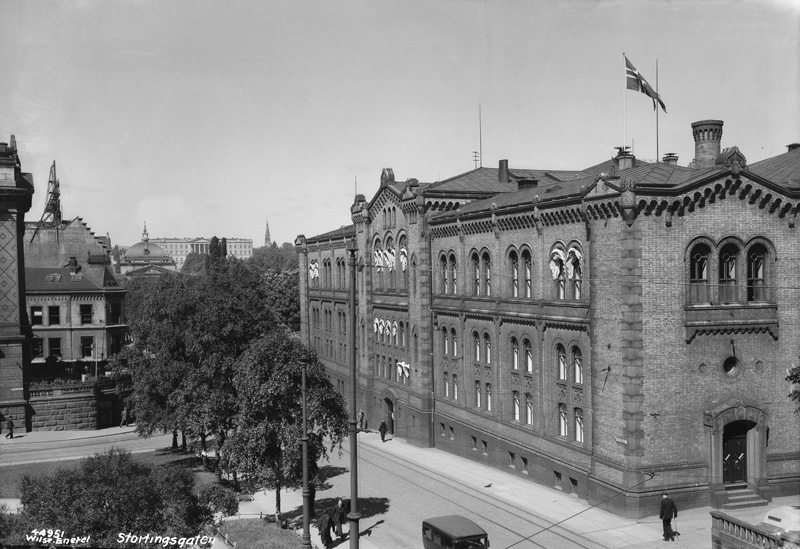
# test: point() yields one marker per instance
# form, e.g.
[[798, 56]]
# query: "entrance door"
[[390, 416], [734, 451]]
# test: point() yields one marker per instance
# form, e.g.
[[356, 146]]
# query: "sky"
[[204, 118]]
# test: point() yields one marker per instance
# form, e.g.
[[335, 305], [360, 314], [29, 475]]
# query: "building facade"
[[179, 248], [614, 332]]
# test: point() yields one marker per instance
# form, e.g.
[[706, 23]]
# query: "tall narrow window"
[[562, 420], [476, 268], [755, 274], [528, 356], [487, 345], [487, 271], [514, 354], [445, 340], [562, 363], [526, 260], [443, 269], [578, 425], [455, 341], [514, 275], [477, 394], [528, 409], [453, 271], [488, 397], [698, 278], [576, 281], [557, 259], [446, 385], [477, 341], [455, 387], [516, 406], [577, 362], [727, 274]]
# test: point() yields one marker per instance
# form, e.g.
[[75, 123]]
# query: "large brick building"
[[614, 331]]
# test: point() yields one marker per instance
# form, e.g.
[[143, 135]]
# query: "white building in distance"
[[179, 248]]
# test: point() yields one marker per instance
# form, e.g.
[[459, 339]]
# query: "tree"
[[282, 290], [195, 264], [111, 493], [274, 258], [793, 377], [265, 442]]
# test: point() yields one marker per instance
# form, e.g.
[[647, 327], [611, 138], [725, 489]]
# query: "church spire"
[[267, 239]]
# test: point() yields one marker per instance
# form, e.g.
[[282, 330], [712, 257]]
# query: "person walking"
[[338, 518], [361, 420], [668, 511], [124, 417], [10, 427], [324, 526], [383, 428]]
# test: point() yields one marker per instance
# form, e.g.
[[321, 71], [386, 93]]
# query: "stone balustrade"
[[731, 533]]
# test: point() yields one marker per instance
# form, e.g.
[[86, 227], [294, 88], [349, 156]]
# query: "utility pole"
[[353, 516], [306, 543]]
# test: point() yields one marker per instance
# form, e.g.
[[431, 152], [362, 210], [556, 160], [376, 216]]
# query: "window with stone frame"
[[756, 284], [86, 313], [446, 385], [514, 264], [455, 387], [453, 267], [477, 345], [477, 394], [699, 259], [37, 347], [487, 273], [488, 397], [514, 354], [574, 272], [577, 365], [562, 420], [561, 355], [528, 350], [515, 408], [578, 425], [476, 270], [87, 346], [37, 315], [454, 338], [557, 260], [487, 348], [54, 315], [728, 263], [527, 270], [445, 342], [528, 409], [443, 274]]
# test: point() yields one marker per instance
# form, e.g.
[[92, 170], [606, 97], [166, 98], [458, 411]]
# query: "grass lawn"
[[259, 534], [10, 476]]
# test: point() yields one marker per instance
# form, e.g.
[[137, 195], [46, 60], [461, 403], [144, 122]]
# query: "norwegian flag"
[[636, 82]]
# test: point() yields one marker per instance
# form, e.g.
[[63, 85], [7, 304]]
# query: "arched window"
[[756, 290], [526, 345], [443, 272], [562, 363], [455, 341], [446, 385], [487, 273], [577, 362], [527, 270], [477, 394], [445, 344], [562, 420], [574, 272], [516, 406], [557, 259], [476, 269], [488, 397], [528, 409], [514, 274], [487, 345], [727, 273], [455, 387], [391, 261], [402, 335], [477, 341], [514, 354], [578, 424], [453, 271], [698, 277]]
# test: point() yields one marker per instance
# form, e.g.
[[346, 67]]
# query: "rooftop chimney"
[[625, 159], [502, 173], [793, 146], [707, 138], [670, 158]]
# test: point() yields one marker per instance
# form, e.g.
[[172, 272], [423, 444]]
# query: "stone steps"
[[743, 499]]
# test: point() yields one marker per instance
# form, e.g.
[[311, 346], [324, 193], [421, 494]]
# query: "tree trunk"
[[174, 439], [278, 505], [183, 440]]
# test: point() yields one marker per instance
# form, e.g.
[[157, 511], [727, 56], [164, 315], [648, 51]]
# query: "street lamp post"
[[354, 516], [306, 543]]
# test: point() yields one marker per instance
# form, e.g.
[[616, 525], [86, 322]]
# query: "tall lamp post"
[[354, 516], [306, 543]]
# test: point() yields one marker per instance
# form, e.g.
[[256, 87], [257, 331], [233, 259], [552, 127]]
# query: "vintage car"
[[453, 532]]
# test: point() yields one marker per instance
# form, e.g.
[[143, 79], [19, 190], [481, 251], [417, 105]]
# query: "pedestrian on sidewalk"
[[383, 428], [668, 511], [10, 427], [338, 518], [124, 417], [324, 526], [362, 423]]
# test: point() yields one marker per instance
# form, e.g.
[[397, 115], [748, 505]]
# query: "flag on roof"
[[637, 82]]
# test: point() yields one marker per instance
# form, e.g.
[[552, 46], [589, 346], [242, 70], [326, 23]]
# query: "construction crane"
[[52, 207]]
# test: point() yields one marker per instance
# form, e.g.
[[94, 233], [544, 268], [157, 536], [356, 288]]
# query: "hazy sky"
[[208, 118]]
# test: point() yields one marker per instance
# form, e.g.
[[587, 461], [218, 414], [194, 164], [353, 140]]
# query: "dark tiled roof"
[[783, 169], [482, 180], [60, 279], [347, 231]]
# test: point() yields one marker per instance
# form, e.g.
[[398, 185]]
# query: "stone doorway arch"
[[740, 433]]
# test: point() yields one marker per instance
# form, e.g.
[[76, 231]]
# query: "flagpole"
[[656, 106], [624, 106]]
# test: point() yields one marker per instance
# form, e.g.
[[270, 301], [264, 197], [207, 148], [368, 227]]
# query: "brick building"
[[613, 331]]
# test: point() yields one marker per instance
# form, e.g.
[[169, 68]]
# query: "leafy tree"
[[793, 377], [219, 499], [265, 442], [111, 493], [283, 296], [274, 258]]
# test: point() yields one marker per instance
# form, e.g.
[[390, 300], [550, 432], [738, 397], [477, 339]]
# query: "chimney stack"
[[502, 173], [707, 138], [625, 160], [792, 147], [670, 158]]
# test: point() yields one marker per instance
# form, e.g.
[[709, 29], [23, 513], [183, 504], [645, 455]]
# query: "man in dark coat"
[[338, 518], [668, 511], [10, 427], [324, 526], [383, 428]]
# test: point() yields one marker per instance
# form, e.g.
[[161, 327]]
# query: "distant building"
[[146, 258], [179, 248], [613, 331]]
